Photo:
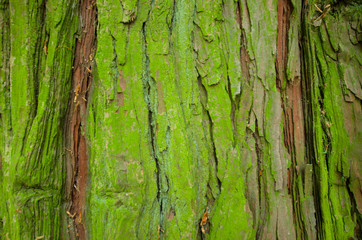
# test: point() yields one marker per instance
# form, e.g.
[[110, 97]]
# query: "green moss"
[[331, 138], [123, 184], [183, 115], [32, 158]]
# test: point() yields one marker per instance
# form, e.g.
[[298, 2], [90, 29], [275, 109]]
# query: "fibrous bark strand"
[[76, 127]]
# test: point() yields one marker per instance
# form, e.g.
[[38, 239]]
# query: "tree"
[[180, 119]]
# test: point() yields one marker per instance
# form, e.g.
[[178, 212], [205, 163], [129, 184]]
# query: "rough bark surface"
[[163, 119], [77, 161], [37, 51]]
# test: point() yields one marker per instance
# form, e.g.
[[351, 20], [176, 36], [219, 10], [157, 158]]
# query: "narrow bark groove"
[[152, 91], [5, 114], [291, 96], [285, 8], [213, 158], [244, 56], [5, 48], [307, 72], [39, 51], [263, 204], [76, 127], [290, 91], [151, 116]]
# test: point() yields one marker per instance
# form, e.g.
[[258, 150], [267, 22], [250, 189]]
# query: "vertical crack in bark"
[[211, 124], [263, 204], [327, 137], [211, 195], [39, 52], [5, 112], [5, 68], [307, 91], [306, 66], [244, 56], [35, 55], [244, 65], [172, 22], [285, 8], [245, 86], [213, 183], [149, 91], [234, 107], [115, 70], [76, 126]]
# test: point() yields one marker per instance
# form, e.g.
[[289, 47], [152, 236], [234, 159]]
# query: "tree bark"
[[160, 119]]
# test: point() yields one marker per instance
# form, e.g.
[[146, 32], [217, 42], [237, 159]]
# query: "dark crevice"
[[114, 67], [306, 66], [151, 117], [149, 91], [244, 64], [5, 70], [172, 22], [213, 183], [228, 90], [40, 50], [285, 9], [234, 108], [35, 56], [306, 84], [214, 150], [244, 56], [211, 195], [245, 6], [262, 203], [327, 146], [211, 127], [354, 211]]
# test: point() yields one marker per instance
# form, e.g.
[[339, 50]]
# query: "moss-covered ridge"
[[36, 61]]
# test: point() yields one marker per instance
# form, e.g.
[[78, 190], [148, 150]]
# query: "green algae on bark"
[[204, 120], [330, 66], [36, 60]]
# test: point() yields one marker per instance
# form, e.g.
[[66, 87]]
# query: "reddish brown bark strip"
[[81, 82], [293, 131], [284, 11]]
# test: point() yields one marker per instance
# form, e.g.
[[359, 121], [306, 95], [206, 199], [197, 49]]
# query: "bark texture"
[[37, 51], [197, 119]]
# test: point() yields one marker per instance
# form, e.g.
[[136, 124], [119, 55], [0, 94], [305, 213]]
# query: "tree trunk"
[[160, 119]]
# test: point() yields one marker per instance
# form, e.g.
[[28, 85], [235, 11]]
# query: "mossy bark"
[[160, 119]]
